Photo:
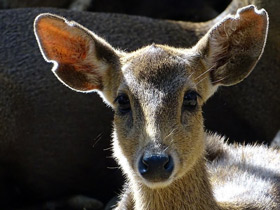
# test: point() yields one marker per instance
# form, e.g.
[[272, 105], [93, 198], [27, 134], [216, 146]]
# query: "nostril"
[[145, 163], [169, 165], [143, 166]]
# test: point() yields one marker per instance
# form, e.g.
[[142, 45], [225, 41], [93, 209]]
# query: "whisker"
[[219, 80], [208, 70], [169, 134], [113, 167], [97, 139], [191, 75], [201, 80], [166, 149], [172, 140], [109, 148]]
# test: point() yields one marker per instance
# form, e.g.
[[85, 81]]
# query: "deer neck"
[[192, 191]]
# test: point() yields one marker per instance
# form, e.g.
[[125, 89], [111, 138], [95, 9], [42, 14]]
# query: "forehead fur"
[[158, 67]]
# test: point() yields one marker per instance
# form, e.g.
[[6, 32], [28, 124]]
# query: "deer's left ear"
[[82, 60], [231, 49]]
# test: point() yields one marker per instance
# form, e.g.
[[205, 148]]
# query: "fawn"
[[157, 93]]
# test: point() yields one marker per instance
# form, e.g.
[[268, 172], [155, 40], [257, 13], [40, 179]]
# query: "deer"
[[157, 93], [45, 127]]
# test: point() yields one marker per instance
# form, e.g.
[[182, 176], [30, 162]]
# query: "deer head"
[[157, 91]]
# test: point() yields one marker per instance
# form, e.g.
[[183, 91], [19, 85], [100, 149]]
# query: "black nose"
[[155, 167]]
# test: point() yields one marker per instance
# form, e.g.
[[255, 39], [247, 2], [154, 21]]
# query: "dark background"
[[192, 10]]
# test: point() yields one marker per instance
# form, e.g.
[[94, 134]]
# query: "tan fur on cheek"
[[126, 143], [189, 145]]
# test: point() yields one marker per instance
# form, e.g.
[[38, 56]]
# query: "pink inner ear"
[[69, 46], [60, 41]]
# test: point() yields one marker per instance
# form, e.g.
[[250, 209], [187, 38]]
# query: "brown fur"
[[155, 80]]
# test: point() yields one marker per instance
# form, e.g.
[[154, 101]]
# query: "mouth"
[[157, 184]]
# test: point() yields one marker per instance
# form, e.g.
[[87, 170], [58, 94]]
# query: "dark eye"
[[124, 104], [190, 100]]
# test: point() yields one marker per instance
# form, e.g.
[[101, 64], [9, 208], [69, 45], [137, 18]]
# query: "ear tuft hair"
[[232, 48]]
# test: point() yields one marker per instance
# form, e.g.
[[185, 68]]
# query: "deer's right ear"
[[231, 49], [82, 60]]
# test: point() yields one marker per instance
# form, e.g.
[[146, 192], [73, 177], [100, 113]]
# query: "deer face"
[[157, 92], [158, 120]]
